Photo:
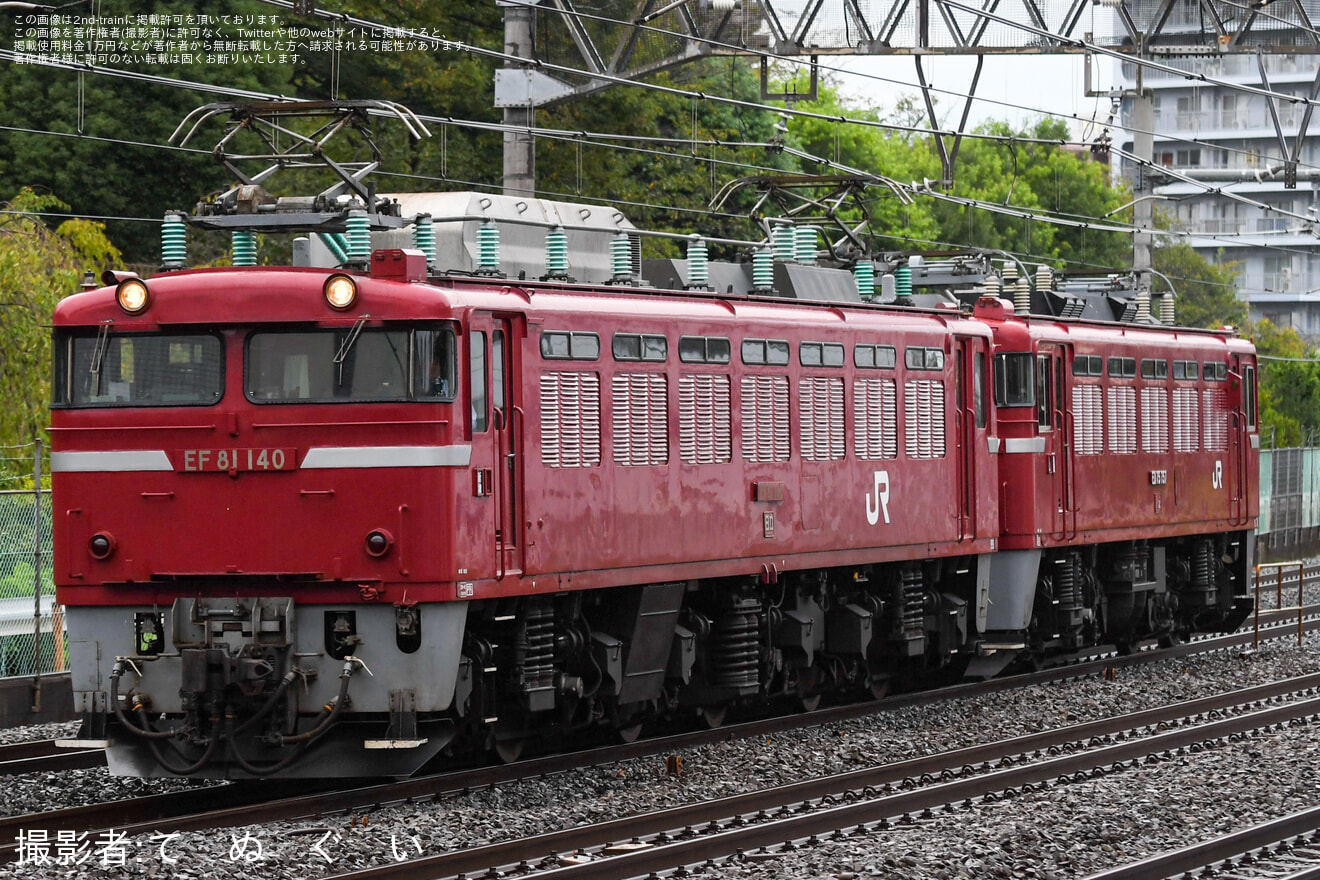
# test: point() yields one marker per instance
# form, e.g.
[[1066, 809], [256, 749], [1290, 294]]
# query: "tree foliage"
[[38, 267], [1206, 293]]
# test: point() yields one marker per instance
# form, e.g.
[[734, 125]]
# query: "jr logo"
[[881, 502], [1217, 479]]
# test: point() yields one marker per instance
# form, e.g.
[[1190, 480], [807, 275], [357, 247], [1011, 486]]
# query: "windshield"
[[114, 369], [350, 364]]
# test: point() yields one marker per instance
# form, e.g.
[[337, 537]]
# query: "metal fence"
[[32, 636]]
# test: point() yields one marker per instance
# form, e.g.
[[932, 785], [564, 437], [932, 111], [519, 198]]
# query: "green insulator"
[[488, 247], [621, 256], [782, 239], [864, 275], [903, 281], [173, 242], [358, 235], [698, 262], [335, 244], [244, 244], [763, 270], [804, 242], [556, 253], [424, 237]]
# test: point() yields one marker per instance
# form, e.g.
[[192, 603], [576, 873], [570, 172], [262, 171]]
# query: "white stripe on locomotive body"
[[112, 461], [1024, 444], [318, 458], [323, 457]]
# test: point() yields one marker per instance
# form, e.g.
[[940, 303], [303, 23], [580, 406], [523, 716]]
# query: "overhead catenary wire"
[[797, 60]]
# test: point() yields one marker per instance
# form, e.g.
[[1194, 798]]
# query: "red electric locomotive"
[[337, 521]]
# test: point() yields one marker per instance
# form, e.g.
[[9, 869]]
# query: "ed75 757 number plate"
[[264, 458]]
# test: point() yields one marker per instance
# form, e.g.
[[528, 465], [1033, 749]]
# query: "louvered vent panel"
[[923, 410], [703, 419], [821, 417], [1122, 420], [1186, 420], [1088, 420], [765, 418], [1155, 420], [641, 423], [570, 419], [1215, 409], [876, 419]]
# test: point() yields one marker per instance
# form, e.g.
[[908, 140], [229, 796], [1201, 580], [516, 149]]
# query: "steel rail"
[[721, 841], [252, 802], [1207, 853]]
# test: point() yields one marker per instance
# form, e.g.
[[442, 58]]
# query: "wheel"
[[879, 685], [809, 703], [713, 716], [509, 750], [628, 733]]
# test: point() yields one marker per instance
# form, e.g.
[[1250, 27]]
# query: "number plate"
[[263, 458]]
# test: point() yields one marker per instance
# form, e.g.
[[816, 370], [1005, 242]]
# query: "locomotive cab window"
[[120, 369], [1015, 380], [1044, 393], [978, 388], [349, 364], [1249, 395], [1215, 372]]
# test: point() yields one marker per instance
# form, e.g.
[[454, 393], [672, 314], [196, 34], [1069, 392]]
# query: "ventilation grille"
[[1186, 420], [703, 419], [765, 418], [923, 412], [570, 419], [875, 412], [1155, 420], [1215, 408], [821, 413], [1122, 420], [1088, 420], [641, 419]]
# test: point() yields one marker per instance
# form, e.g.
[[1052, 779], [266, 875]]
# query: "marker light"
[[132, 295], [379, 542], [340, 292], [101, 545]]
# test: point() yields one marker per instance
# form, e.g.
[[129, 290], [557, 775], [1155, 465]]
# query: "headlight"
[[379, 542], [132, 295], [340, 292]]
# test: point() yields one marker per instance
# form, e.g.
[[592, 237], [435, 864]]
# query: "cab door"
[[1242, 418], [1056, 429], [971, 419], [497, 429]]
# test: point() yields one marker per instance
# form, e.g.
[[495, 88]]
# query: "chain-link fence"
[[31, 627]]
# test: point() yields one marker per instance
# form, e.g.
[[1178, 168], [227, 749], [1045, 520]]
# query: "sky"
[[1053, 82]]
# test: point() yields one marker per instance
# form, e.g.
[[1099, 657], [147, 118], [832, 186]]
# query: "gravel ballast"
[[1063, 831]]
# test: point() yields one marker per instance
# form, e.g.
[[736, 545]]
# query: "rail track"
[[40, 756], [863, 802], [252, 803], [1281, 849]]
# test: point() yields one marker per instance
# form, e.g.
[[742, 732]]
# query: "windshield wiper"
[[345, 347], [98, 355]]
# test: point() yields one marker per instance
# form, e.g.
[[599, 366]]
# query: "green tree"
[[1289, 383], [1206, 293], [37, 268]]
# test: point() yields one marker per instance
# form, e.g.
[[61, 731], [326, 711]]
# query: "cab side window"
[[477, 380]]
